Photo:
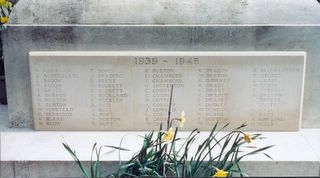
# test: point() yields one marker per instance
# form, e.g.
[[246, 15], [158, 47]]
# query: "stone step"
[[40, 154]]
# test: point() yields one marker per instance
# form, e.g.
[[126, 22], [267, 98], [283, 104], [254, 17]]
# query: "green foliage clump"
[[165, 154], [157, 158]]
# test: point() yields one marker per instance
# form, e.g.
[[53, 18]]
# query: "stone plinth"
[[146, 38], [163, 26], [44, 156]]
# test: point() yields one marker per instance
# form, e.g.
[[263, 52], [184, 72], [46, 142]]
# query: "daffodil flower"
[[2, 2], [182, 119], [168, 135], [3, 20], [5, 3], [220, 173], [246, 137]]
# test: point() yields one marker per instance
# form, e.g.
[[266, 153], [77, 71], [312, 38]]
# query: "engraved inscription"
[[131, 90], [51, 99]]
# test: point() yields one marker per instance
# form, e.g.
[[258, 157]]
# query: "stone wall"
[[163, 25]]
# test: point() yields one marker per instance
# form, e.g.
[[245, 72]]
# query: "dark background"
[[3, 95]]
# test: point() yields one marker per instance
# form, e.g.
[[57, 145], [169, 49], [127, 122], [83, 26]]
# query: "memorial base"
[[41, 154], [29, 153]]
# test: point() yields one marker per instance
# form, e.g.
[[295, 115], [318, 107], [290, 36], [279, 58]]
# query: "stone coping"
[[166, 12]]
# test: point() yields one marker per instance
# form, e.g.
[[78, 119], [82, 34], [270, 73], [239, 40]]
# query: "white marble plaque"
[[131, 90]]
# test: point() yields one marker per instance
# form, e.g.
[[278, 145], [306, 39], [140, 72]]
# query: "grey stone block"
[[6, 169], [166, 12], [20, 40], [57, 12], [55, 168], [281, 168]]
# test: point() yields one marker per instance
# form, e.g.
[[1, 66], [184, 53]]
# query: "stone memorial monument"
[[131, 90], [77, 30], [108, 65]]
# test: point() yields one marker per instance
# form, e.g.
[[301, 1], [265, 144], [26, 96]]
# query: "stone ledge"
[[33, 153], [27, 153]]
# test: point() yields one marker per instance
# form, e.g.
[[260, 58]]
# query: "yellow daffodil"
[[220, 173], [168, 135], [182, 119], [246, 137], [5, 3], [3, 20]]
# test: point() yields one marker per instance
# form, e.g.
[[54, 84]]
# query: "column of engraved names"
[[39, 97], [106, 90], [267, 96], [212, 95], [53, 98], [94, 96], [158, 82]]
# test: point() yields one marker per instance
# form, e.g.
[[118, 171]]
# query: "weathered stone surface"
[[56, 168], [281, 168], [251, 168], [131, 90], [6, 168], [19, 41], [166, 12]]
